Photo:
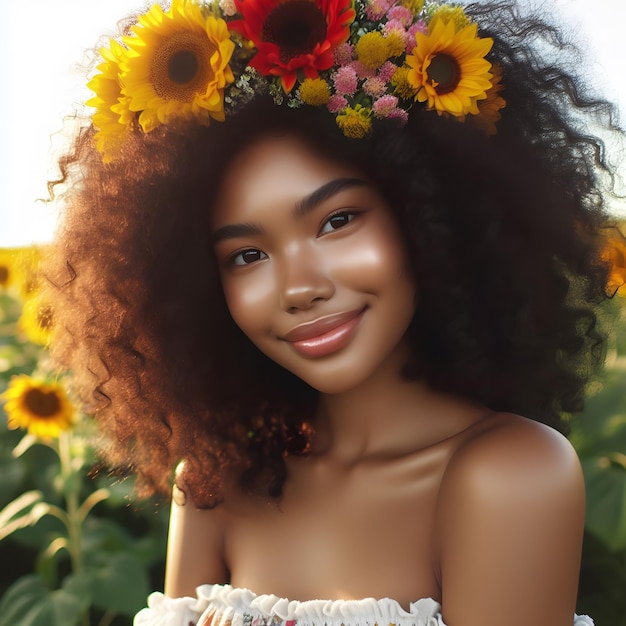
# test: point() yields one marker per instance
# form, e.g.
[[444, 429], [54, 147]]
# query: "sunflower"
[[41, 408], [449, 70], [177, 65], [293, 35], [489, 109], [614, 255], [36, 320], [28, 263], [19, 269], [8, 268], [112, 117]]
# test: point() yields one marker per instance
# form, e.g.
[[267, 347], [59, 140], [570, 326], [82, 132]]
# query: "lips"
[[324, 335]]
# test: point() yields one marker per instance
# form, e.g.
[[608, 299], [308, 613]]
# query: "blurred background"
[[74, 548]]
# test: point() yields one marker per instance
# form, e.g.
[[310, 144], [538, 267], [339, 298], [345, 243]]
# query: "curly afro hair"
[[503, 234]]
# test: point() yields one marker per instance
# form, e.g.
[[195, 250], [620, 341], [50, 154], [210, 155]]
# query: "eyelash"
[[349, 214], [233, 260], [240, 255]]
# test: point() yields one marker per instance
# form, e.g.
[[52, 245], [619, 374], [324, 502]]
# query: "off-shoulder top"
[[224, 605]]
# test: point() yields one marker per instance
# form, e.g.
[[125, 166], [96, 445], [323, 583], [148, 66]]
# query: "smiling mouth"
[[325, 335]]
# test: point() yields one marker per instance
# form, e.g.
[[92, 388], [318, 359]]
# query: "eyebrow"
[[326, 191], [301, 208]]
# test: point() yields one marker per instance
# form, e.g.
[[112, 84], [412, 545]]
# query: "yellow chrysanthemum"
[[414, 5], [36, 320], [355, 122], [372, 50], [177, 65], [41, 408], [401, 85], [448, 69], [448, 14], [314, 91], [112, 117], [489, 109], [396, 44]]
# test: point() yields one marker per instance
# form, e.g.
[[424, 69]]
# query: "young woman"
[[336, 265]]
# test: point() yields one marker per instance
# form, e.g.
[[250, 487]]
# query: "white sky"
[[42, 43]]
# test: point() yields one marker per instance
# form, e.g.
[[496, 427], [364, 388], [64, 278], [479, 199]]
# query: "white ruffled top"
[[223, 605]]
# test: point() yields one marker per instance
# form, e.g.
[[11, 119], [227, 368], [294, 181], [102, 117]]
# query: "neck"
[[388, 416]]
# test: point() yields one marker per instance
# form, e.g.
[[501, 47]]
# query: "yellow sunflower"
[[29, 260], [8, 268], [112, 117], [449, 70], [177, 65], [36, 320], [489, 109], [614, 255], [19, 269], [41, 408]]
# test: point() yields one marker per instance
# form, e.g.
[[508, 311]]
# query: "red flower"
[[293, 35]]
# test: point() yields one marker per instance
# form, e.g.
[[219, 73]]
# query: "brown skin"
[[408, 492]]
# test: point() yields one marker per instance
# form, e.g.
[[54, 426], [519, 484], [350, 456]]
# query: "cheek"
[[376, 262], [247, 298]]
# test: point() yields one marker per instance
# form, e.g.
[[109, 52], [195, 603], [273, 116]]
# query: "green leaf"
[[121, 584], [28, 602], [12, 473], [605, 478], [13, 517]]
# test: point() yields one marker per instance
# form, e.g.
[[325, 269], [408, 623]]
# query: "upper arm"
[[510, 528], [195, 553]]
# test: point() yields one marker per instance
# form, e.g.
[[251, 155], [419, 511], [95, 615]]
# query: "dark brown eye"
[[246, 257], [337, 221]]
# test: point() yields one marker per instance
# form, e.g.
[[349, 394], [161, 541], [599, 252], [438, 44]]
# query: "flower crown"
[[359, 59]]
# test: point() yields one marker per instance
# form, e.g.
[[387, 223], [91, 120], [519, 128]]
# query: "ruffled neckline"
[[226, 598], [225, 605]]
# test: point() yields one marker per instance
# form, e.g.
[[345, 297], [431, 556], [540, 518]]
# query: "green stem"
[[75, 519], [71, 498], [107, 618]]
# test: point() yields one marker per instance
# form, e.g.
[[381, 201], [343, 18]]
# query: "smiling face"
[[312, 263]]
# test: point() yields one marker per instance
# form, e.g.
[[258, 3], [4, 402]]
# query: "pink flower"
[[399, 114], [400, 13], [394, 26], [344, 54], [336, 103], [374, 87], [377, 9], [386, 71], [383, 107], [418, 27], [362, 71], [345, 80]]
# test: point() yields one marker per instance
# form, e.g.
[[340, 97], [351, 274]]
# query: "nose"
[[305, 281]]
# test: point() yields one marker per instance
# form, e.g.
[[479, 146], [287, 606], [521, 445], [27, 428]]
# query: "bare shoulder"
[[195, 547], [510, 524], [511, 455]]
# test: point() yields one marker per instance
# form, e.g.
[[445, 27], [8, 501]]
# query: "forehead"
[[274, 170]]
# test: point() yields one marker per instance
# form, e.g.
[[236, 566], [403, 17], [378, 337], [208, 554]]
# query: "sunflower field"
[[75, 548], [78, 550]]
